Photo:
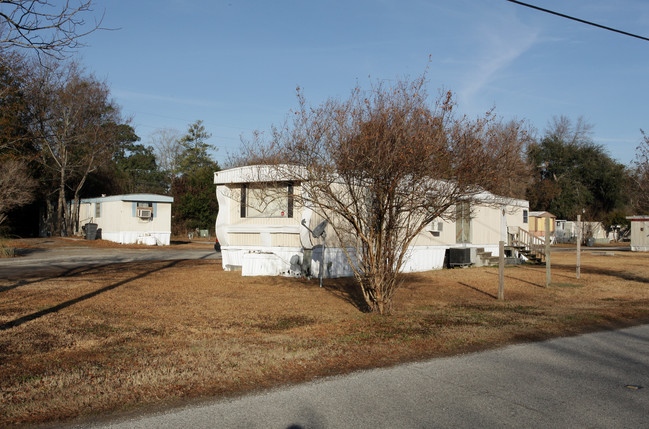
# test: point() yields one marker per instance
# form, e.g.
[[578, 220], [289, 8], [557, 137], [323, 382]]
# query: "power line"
[[579, 20]]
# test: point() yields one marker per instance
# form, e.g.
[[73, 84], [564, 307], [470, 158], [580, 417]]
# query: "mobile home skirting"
[[152, 238], [282, 261]]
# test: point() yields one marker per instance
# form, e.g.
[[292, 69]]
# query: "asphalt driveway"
[[52, 256]]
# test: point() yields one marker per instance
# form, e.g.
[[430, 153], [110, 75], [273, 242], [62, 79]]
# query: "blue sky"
[[235, 64]]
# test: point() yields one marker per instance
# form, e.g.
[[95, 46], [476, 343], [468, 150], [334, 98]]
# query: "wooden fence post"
[[548, 272], [501, 270], [578, 246]]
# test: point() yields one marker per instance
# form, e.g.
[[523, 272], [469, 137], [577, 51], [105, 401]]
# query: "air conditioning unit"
[[144, 212], [459, 256]]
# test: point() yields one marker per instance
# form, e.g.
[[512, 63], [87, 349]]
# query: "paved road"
[[586, 381], [60, 258]]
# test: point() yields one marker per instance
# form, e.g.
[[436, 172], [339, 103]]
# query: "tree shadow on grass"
[[608, 272], [478, 290], [520, 280], [347, 289], [25, 251], [61, 306], [49, 274]]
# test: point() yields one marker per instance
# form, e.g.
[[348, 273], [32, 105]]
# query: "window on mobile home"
[[463, 223], [144, 210], [267, 200]]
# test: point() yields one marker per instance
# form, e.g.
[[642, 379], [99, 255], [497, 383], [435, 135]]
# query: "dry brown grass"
[[53, 242], [123, 336]]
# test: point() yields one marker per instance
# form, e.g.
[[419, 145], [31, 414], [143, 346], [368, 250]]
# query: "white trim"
[[638, 218], [258, 173], [154, 198]]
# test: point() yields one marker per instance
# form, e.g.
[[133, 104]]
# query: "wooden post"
[[578, 246], [548, 273], [501, 270]]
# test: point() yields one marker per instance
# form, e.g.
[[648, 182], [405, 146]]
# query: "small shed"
[[128, 219], [537, 223], [639, 233]]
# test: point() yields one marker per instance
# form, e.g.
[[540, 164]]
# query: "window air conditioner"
[[144, 213]]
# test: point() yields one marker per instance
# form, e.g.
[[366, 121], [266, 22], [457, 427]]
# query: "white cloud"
[[142, 96], [500, 45]]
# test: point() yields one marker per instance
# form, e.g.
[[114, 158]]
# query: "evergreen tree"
[[574, 174], [192, 186]]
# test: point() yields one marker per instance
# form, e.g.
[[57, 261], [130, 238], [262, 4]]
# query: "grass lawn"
[[128, 336]]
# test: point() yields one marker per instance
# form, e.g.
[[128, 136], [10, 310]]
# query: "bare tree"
[[50, 28], [168, 147], [640, 177], [14, 113], [77, 128], [382, 165], [16, 186], [563, 129], [512, 139]]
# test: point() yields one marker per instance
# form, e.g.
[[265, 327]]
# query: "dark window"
[[290, 200], [524, 216], [244, 191]]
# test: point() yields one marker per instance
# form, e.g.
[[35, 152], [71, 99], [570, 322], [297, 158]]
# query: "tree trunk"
[[73, 218], [60, 227], [73, 224], [47, 223]]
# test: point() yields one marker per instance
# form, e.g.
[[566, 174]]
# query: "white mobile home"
[[127, 219], [275, 238], [567, 231], [639, 233]]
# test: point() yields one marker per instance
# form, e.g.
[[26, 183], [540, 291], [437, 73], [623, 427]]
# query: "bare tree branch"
[[16, 186], [45, 26]]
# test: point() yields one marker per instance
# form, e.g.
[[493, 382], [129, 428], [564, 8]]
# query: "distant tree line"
[[574, 176], [62, 138]]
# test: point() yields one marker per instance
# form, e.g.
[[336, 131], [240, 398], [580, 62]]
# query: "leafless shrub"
[[383, 164]]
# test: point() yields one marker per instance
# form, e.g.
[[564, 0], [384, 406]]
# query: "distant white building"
[[567, 231], [128, 219], [639, 233]]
